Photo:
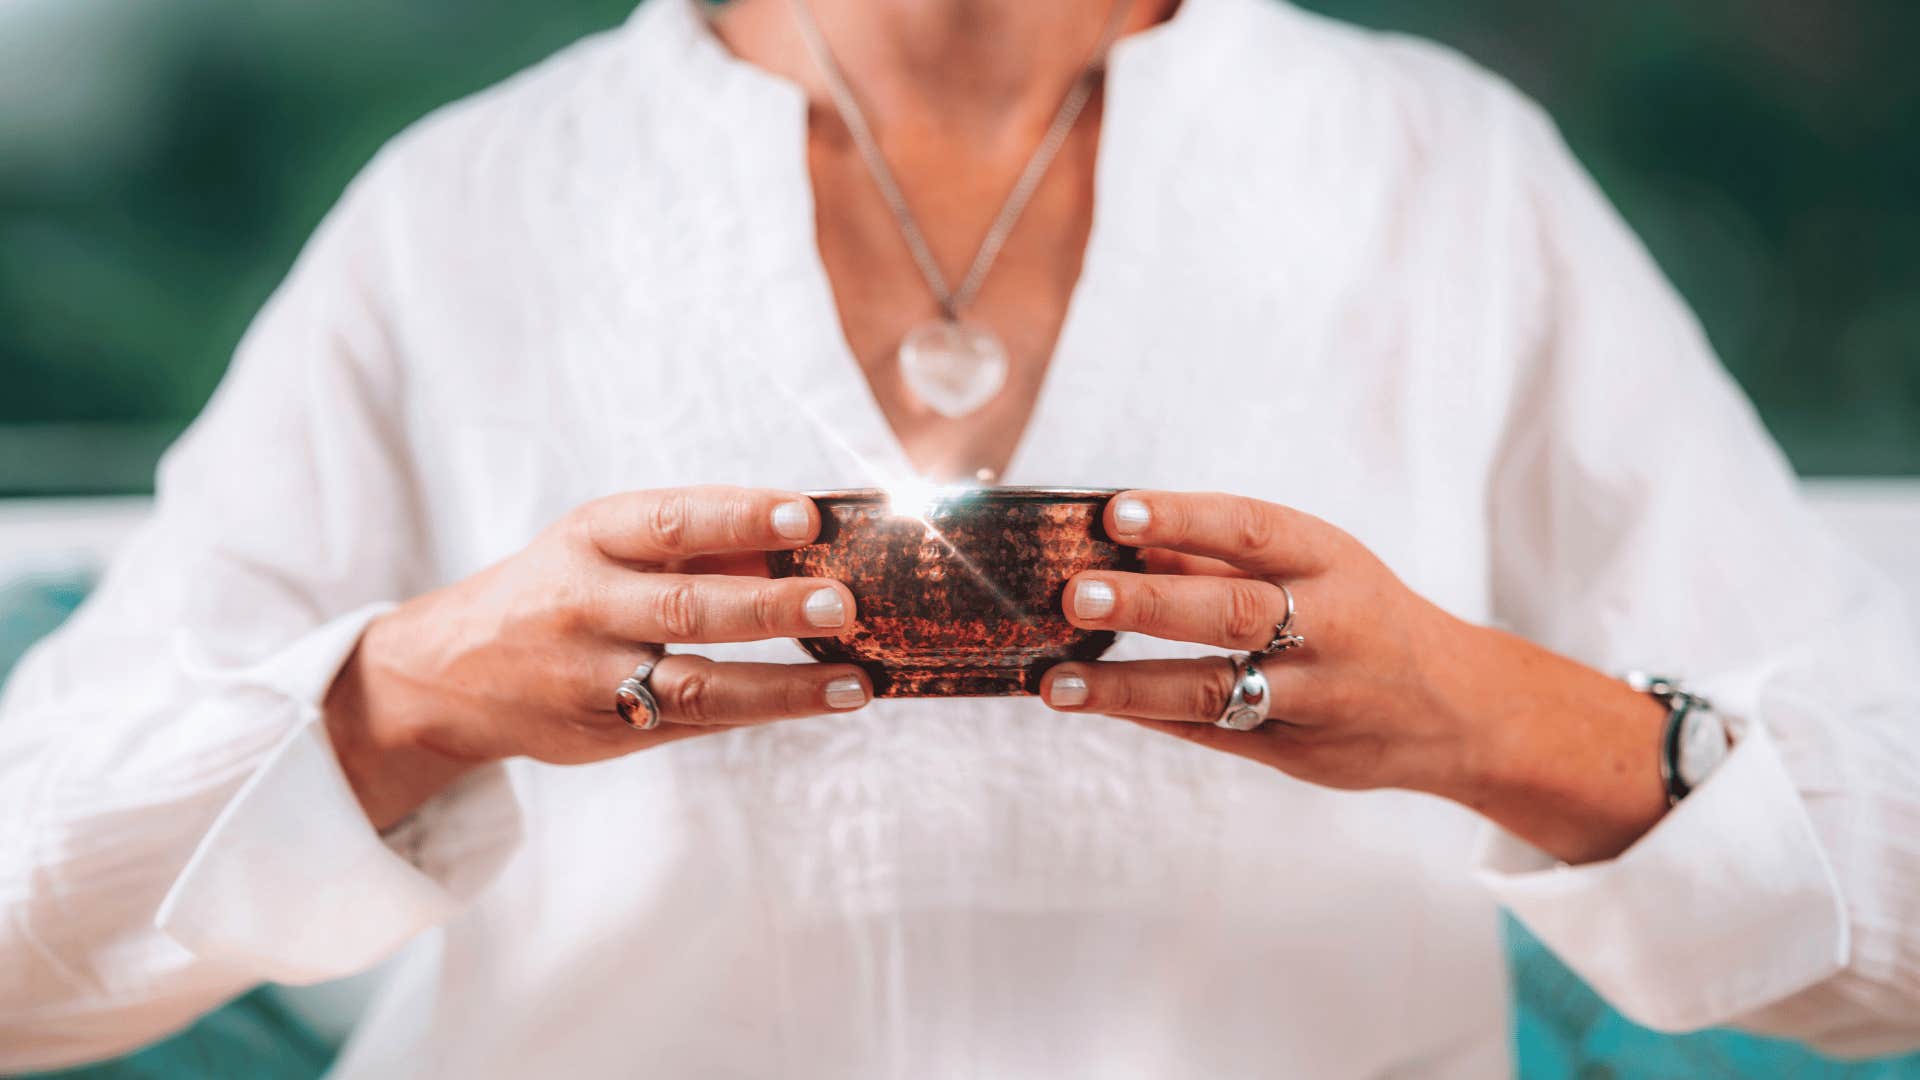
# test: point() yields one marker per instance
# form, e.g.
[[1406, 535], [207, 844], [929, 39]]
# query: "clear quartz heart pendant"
[[953, 366]]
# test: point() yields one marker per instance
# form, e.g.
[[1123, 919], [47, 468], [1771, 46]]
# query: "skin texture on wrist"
[[392, 773], [1558, 754]]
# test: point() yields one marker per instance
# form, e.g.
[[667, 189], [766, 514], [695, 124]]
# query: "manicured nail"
[[791, 520], [846, 692], [1067, 690], [824, 608], [1093, 599], [1130, 515]]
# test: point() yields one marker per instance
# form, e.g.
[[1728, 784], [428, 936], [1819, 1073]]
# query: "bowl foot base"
[[894, 682]]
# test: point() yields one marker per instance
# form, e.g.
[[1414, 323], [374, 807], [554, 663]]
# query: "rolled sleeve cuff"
[[293, 882], [1725, 906]]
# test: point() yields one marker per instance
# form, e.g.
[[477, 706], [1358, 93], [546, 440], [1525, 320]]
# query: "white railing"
[[1881, 517]]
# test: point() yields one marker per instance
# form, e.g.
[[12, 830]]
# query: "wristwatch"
[[1695, 740]]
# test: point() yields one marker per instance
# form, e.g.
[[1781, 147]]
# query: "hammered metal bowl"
[[959, 594]]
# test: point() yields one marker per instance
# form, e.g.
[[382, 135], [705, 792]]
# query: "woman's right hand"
[[522, 659]]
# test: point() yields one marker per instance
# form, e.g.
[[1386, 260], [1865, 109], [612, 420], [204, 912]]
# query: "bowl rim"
[[1006, 493]]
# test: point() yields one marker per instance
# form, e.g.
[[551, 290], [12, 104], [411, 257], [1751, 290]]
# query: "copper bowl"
[[959, 595]]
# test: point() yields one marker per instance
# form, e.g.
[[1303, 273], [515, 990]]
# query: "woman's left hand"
[[1388, 690]]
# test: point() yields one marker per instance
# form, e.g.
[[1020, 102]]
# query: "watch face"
[[1703, 745]]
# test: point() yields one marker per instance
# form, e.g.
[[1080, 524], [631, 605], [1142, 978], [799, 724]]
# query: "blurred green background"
[[161, 162]]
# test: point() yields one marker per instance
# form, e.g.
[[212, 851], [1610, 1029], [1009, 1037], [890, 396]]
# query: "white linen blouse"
[[1336, 270]]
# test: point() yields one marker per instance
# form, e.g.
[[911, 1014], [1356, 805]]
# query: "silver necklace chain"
[[952, 301]]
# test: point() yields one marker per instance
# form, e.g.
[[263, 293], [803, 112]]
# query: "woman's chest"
[[958, 245], [1211, 343]]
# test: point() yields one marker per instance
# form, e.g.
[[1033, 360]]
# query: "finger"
[[731, 563], [1190, 691], [693, 691], [1162, 561], [1231, 613], [680, 523], [1217, 738], [693, 609], [1256, 536]]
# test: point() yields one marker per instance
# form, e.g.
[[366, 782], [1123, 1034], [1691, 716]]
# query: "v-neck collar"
[[821, 376]]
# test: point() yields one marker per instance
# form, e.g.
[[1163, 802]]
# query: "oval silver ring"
[[1283, 636], [634, 699], [1246, 707]]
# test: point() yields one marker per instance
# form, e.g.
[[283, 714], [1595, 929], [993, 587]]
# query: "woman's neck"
[[985, 68]]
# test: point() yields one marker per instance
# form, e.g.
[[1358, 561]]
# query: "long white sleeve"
[[284, 521], [1645, 520]]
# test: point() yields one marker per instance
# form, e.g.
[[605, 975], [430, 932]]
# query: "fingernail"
[[1093, 599], [1130, 515], [846, 692], [824, 608], [1067, 690], [791, 520]]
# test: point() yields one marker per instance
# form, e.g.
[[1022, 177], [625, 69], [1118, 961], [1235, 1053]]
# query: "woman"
[[458, 486]]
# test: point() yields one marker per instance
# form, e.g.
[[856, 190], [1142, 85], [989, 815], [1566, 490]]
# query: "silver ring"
[[1247, 703], [634, 699], [1283, 637]]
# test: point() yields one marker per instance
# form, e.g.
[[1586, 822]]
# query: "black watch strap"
[[1680, 705]]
